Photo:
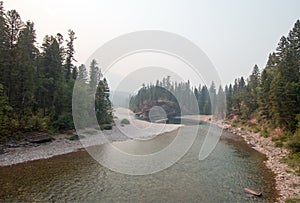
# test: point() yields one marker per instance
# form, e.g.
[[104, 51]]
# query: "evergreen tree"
[[5, 110], [70, 54], [74, 73], [221, 103], [50, 73], [213, 97], [94, 75], [250, 98], [14, 25], [267, 76], [4, 47], [205, 103], [25, 70], [82, 73], [229, 99], [102, 103]]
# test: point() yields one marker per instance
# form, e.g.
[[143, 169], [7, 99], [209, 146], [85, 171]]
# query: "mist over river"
[[77, 177]]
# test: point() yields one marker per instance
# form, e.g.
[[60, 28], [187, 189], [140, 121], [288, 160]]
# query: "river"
[[76, 177]]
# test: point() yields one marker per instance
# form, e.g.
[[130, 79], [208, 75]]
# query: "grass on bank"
[[279, 137], [292, 201]]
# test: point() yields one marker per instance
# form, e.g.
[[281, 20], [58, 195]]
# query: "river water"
[[76, 177]]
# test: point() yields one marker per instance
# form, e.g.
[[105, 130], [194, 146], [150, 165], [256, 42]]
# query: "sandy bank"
[[137, 129]]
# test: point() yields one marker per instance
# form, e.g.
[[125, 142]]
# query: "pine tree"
[[267, 76], [4, 47], [14, 25], [25, 71], [250, 97], [70, 54], [285, 87], [221, 103], [74, 73], [102, 103], [205, 103], [82, 73], [213, 97], [50, 73], [229, 99], [94, 75]]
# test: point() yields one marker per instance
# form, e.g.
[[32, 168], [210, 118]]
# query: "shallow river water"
[[76, 177]]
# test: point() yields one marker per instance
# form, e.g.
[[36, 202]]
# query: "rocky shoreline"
[[287, 182]]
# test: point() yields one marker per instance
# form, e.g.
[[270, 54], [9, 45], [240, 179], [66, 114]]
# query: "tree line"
[[270, 96], [36, 82], [183, 98]]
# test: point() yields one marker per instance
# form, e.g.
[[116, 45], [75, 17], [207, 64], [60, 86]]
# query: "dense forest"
[[271, 97], [179, 98], [175, 98], [36, 82]]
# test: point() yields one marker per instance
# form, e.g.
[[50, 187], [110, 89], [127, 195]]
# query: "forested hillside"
[[36, 82], [270, 99]]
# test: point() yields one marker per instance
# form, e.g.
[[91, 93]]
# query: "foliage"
[[294, 142], [179, 99], [272, 96], [106, 126], [75, 137], [64, 122], [293, 160], [36, 85], [5, 111], [125, 121], [292, 200]]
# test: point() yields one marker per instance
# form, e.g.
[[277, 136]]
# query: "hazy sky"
[[234, 34]]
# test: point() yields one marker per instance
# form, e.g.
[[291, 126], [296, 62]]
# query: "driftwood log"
[[253, 192], [41, 139]]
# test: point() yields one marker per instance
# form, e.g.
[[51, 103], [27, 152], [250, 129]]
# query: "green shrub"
[[293, 160], [278, 143], [255, 129], [106, 127], [294, 143], [75, 137], [125, 121], [64, 122], [265, 133], [36, 123], [292, 200], [234, 123]]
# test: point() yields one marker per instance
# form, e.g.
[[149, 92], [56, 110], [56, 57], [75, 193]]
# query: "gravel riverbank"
[[137, 129], [287, 182]]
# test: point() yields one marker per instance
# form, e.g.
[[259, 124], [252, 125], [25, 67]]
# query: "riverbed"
[[221, 177]]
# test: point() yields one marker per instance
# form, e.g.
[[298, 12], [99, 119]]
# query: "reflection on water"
[[77, 177]]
